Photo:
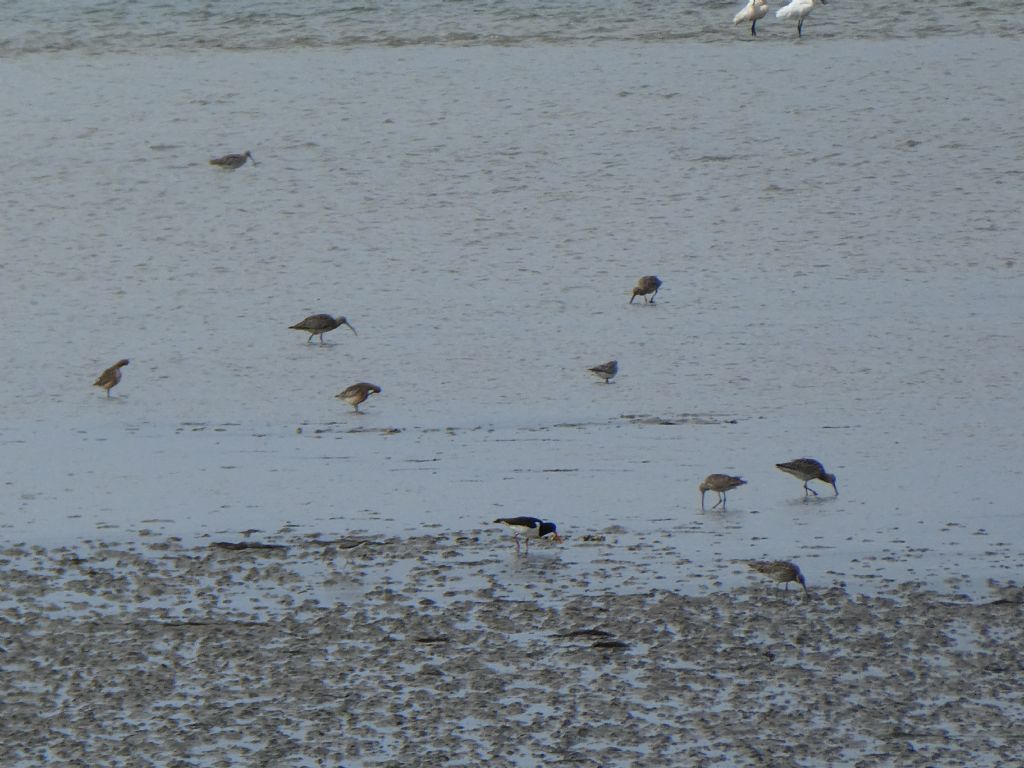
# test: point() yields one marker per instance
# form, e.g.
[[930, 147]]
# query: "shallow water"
[[836, 224]]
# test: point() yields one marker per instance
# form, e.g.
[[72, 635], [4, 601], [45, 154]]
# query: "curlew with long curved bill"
[[318, 325]]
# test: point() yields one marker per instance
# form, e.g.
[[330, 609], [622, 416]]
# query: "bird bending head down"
[[530, 528]]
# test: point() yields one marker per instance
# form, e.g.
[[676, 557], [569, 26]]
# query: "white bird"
[[756, 9], [799, 10]]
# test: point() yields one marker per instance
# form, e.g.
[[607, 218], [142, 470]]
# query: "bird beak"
[[352, 329], [558, 538]]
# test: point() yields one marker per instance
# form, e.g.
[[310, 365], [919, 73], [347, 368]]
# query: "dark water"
[[27, 26]]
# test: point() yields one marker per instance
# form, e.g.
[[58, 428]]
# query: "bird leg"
[[809, 490], [800, 28], [753, 28], [721, 500]]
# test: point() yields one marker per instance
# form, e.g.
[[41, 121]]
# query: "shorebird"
[[756, 9], [111, 377], [799, 10], [720, 484], [530, 528], [357, 393], [318, 325], [648, 284], [606, 371], [781, 571], [231, 162], [807, 470]]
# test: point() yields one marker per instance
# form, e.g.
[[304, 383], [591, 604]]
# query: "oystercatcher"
[[530, 528]]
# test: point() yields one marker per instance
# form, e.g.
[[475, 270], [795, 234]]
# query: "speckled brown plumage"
[[719, 484], [648, 284], [606, 371], [231, 162], [807, 470], [111, 377], [781, 571], [318, 325], [358, 393]]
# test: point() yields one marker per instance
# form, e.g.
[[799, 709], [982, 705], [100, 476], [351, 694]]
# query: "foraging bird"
[[720, 484], [799, 10], [756, 9], [111, 377], [648, 284], [606, 371], [318, 325], [357, 393], [807, 470], [530, 528], [781, 571], [231, 162]]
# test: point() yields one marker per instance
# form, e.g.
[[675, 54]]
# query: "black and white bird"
[[530, 528]]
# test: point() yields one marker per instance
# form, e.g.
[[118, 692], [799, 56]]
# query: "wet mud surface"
[[308, 650]]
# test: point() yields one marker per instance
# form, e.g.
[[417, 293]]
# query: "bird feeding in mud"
[[530, 528], [720, 484], [807, 470], [779, 571], [357, 394], [646, 285]]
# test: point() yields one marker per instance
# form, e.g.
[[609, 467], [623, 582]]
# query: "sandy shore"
[[441, 650]]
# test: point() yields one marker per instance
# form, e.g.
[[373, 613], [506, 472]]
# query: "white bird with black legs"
[[756, 9], [799, 10]]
